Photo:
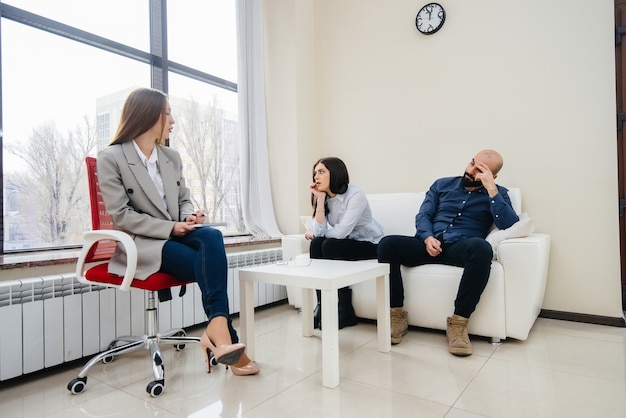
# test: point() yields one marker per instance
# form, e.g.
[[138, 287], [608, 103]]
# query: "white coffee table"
[[328, 276]]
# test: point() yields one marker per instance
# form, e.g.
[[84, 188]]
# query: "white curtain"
[[258, 212]]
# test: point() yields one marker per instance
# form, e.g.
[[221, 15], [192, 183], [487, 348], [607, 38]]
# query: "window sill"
[[57, 257]]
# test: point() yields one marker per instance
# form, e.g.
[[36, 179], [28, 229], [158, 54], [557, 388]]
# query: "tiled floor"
[[564, 369]]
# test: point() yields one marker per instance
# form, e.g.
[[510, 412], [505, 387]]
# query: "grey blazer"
[[132, 199]]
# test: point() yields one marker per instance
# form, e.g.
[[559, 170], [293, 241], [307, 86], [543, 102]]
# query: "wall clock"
[[430, 18]]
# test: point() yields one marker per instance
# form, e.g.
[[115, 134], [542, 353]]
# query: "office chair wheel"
[[155, 388], [109, 359], [179, 347], [77, 385]]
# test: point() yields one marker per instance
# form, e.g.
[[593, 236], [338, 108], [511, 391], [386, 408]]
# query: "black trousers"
[[473, 254], [342, 249]]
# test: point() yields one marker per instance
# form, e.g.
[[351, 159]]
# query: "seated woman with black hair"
[[343, 227]]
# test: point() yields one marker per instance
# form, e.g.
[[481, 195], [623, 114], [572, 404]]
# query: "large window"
[[67, 67]]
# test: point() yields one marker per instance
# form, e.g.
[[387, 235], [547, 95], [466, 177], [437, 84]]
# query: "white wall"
[[534, 80]]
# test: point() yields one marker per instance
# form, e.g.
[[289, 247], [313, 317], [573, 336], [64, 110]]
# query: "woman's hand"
[[195, 218], [309, 235], [183, 228], [321, 196]]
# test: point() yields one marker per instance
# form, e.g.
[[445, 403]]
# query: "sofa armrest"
[[525, 261], [294, 245]]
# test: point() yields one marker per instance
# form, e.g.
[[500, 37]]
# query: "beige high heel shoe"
[[249, 367], [227, 354]]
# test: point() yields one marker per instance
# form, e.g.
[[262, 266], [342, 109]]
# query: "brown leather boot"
[[399, 324], [458, 341]]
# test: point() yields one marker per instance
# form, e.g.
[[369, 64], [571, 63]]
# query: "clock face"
[[430, 18]]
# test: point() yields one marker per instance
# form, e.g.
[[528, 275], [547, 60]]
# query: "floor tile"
[[413, 369], [563, 369], [351, 399], [569, 352], [509, 389]]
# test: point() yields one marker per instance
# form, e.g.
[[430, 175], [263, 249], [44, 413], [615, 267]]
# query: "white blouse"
[[349, 217], [152, 165]]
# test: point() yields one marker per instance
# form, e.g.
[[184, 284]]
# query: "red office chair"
[[99, 245]]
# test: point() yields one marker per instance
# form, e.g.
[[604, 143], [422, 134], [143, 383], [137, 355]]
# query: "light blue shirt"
[[349, 217]]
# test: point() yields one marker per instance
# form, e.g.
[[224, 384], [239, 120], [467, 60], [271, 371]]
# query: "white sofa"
[[509, 305]]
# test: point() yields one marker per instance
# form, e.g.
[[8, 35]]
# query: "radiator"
[[46, 321]]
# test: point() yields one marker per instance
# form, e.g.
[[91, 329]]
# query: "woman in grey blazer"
[[144, 191]]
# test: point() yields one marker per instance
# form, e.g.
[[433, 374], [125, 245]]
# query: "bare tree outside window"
[[50, 206], [207, 139]]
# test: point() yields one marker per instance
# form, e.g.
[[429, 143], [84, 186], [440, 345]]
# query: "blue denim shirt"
[[451, 212]]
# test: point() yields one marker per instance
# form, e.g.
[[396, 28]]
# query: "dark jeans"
[[342, 249], [473, 254], [200, 256]]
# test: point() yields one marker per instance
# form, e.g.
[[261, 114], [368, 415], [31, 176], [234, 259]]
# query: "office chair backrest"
[[100, 219]]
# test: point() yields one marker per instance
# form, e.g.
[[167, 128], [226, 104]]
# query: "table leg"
[[246, 315], [383, 324], [307, 312], [330, 339]]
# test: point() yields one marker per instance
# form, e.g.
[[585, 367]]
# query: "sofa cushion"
[[396, 211], [307, 222], [519, 229], [515, 194]]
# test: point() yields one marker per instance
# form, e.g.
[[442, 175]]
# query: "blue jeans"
[[200, 256], [474, 254]]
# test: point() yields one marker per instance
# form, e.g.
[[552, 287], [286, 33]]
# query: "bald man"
[[451, 226]]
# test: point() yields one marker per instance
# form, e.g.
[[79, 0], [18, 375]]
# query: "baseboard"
[[585, 318]]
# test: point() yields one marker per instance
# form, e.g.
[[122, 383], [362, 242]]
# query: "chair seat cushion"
[[100, 275]]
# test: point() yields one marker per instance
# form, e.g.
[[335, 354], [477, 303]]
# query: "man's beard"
[[468, 181]]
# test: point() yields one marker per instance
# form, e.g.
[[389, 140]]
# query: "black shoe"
[[317, 312], [317, 316], [347, 317]]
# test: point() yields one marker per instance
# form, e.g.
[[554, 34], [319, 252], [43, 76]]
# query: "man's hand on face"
[[487, 178]]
